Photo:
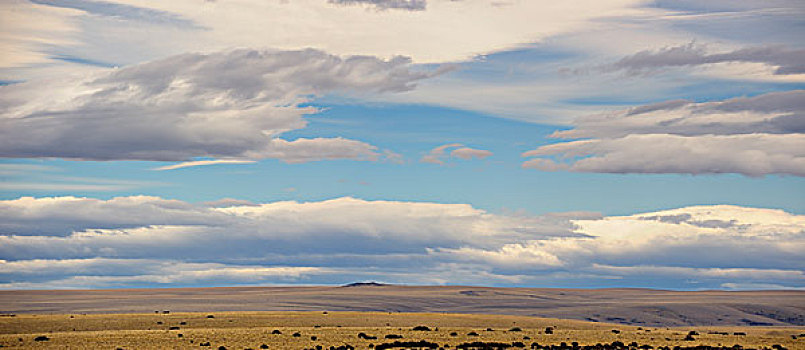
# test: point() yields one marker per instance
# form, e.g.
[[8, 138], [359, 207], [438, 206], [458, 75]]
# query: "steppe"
[[307, 317]]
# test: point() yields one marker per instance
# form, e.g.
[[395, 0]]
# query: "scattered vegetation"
[[372, 330]]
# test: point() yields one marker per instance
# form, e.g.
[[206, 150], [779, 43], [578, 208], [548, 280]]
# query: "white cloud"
[[227, 105], [103, 272], [713, 242], [754, 136], [202, 163], [66, 241], [533, 83], [445, 31], [26, 28]]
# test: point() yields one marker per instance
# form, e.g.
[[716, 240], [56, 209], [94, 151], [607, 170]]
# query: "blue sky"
[[521, 142], [495, 184]]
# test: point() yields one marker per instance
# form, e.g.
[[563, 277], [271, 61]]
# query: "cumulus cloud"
[[410, 5], [439, 154], [785, 60], [766, 241], [68, 242], [754, 136], [230, 105]]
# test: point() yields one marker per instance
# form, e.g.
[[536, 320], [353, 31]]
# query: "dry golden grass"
[[242, 330], [638, 307]]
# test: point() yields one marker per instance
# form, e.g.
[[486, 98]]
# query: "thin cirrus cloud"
[[122, 11], [231, 105], [70, 242], [202, 163], [440, 154], [410, 5], [753, 136], [110, 31]]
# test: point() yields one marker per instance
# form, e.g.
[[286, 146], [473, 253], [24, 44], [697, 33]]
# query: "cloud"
[[7, 169], [636, 245], [754, 136], [227, 105], [202, 163], [44, 178], [771, 113], [751, 155], [26, 26], [784, 60], [71, 187], [435, 155], [469, 153], [410, 5], [438, 154], [68, 242], [758, 286], [109, 31], [108, 273], [105, 8]]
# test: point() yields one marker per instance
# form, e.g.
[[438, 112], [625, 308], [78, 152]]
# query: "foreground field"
[[301, 330]]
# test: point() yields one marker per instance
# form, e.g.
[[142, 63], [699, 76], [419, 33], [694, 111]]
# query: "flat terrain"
[[250, 330], [638, 307]]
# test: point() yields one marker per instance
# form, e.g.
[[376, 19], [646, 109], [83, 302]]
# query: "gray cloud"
[[230, 105], [68, 242], [410, 5], [686, 218], [753, 136], [786, 60], [751, 155]]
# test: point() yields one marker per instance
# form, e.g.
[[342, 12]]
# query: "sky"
[[589, 144]]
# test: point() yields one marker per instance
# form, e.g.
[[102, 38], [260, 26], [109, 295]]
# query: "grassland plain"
[[629, 306], [300, 330]]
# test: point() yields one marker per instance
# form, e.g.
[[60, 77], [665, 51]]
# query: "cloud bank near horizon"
[[70, 242]]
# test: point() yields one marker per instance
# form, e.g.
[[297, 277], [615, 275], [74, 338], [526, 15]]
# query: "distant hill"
[[366, 284], [639, 307]]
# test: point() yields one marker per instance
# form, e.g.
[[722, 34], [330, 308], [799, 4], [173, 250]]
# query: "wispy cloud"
[[410, 5], [46, 178], [122, 11], [10, 169], [203, 162], [65, 187]]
